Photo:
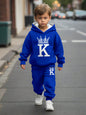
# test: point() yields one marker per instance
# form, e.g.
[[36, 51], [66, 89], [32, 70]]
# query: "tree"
[[64, 3], [84, 5], [49, 2]]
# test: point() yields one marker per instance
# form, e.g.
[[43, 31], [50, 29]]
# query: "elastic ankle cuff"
[[47, 98]]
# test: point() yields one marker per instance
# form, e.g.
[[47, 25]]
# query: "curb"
[[11, 54], [2, 64], [8, 57]]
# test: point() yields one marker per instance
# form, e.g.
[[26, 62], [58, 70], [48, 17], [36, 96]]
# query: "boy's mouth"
[[43, 24]]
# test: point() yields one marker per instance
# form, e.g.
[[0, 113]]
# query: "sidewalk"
[[7, 53]]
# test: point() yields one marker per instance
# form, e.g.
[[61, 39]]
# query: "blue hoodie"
[[43, 47]]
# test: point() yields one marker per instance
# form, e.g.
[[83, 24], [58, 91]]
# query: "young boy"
[[43, 45]]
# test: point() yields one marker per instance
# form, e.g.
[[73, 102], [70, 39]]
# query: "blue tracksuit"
[[43, 48]]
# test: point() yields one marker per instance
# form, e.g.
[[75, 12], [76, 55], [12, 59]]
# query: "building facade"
[[77, 4], [15, 11], [37, 2]]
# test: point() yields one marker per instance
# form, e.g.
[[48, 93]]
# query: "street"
[[17, 96]]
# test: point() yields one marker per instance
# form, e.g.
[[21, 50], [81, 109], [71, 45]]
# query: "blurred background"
[[20, 12], [16, 17]]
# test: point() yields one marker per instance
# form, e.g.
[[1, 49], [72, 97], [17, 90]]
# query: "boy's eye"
[[39, 17], [45, 17]]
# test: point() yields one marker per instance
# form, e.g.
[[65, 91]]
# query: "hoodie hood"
[[36, 28]]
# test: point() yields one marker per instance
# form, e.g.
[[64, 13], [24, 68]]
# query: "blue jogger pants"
[[43, 79]]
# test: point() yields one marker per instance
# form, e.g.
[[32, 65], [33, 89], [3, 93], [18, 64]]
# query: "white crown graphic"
[[43, 41]]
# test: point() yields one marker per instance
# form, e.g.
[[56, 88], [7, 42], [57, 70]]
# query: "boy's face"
[[43, 20]]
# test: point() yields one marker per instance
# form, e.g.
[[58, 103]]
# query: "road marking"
[[79, 41], [74, 41], [82, 33], [64, 41]]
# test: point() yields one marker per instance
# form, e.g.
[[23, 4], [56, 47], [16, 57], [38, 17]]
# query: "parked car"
[[62, 16], [69, 14], [79, 14], [55, 14]]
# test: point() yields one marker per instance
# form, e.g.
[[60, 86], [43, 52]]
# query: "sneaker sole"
[[38, 104], [49, 109]]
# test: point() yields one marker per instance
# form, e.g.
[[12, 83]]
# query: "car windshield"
[[69, 12], [78, 12], [62, 14]]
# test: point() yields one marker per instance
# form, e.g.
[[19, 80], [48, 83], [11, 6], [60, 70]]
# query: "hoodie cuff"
[[22, 63], [60, 65]]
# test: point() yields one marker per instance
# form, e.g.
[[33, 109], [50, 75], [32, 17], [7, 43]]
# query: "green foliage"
[[65, 2], [49, 2], [84, 5], [62, 2]]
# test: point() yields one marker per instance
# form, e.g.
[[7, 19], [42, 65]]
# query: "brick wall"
[[13, 17], [4, 10], [29, 7]]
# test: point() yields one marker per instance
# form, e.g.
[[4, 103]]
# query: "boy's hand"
[[59, 68], [23, 67]]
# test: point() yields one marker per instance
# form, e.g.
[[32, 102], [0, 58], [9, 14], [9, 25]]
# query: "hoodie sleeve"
[[59, 52], [26, 50]]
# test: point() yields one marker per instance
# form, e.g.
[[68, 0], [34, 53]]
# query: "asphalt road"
[[17, 95]]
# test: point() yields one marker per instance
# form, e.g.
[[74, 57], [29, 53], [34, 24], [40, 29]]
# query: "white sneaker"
[[49, 105], [38, 100]]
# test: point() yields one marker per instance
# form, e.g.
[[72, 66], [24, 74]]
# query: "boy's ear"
[[50, 17], [35, 17]]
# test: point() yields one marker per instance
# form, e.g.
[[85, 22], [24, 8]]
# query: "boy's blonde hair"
[[41, 9]]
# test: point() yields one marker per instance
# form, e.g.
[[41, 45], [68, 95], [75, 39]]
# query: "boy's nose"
[[42, 19]]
